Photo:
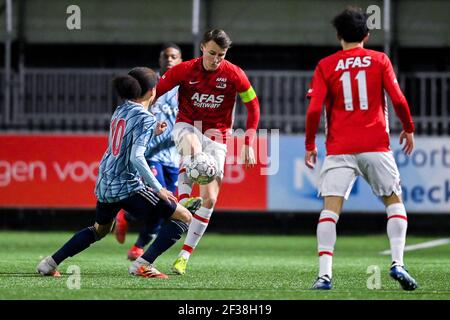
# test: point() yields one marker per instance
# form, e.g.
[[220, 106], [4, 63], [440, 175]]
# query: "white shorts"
[[339, 172], [216, 149]]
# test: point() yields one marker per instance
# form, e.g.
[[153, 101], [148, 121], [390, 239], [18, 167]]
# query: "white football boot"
[[142, 268], [47, 267]]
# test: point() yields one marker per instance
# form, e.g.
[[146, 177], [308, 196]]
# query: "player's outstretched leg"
[[79, 242]]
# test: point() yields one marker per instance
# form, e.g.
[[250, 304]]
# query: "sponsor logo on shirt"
[[207, 100], [221, 83], [353, 62]]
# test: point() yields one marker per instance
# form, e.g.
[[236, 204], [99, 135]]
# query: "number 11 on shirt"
[[362, 90]]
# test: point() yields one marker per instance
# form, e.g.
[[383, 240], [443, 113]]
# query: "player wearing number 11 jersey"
[[351, 84]]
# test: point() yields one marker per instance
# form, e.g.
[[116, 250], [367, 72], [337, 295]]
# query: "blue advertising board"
[[425, 178]]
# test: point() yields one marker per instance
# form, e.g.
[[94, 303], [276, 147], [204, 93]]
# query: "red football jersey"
[[351, 84], [206, 96]]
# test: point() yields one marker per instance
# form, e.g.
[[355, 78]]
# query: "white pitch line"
[[424, 245]]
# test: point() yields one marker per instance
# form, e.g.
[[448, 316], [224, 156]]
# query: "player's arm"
[[170, 79], [159, 142], [163, 141], [317, 94], [141, 136], [251, 102], [400, 105]]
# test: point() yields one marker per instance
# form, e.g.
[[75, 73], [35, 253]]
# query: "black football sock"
[[169, 234], [80, 241]]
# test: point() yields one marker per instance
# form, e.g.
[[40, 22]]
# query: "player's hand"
[[248, 156], [409, 142], [160, 127], [311, 158], [166, 195]]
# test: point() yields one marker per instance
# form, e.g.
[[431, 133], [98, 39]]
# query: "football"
[[202, 169]]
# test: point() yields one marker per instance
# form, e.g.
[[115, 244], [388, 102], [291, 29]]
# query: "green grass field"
[[228, 267]]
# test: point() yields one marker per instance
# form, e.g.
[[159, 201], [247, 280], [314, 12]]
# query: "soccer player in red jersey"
[[207, 93], [351, 84]]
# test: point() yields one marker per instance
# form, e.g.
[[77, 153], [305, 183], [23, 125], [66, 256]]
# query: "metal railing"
[[83, 99], [428, 94], [63, 99], [282, 96]]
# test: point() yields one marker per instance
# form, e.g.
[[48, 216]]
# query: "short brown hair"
[[218, 36]]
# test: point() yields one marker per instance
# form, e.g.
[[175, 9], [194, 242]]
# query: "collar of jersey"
[[132, 102]]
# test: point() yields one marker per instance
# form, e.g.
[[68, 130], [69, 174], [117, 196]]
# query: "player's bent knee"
[[183, 214], [190, 144], [209, 202], [333, 203], [101, 234], [188, 218], [392, 199], [101, 230]]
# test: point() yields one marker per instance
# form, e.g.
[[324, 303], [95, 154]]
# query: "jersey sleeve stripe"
[[248, 95]]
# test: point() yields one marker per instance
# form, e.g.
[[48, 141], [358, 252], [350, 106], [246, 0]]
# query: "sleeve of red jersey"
[[317, 93], [399, 102], [170, 79], [248, 96]]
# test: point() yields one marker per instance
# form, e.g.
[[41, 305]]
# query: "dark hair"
[[351, 24], [168, 45], [218, 36], [136, 83]]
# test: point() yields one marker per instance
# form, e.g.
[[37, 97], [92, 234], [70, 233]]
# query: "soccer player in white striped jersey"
[[162, 157]]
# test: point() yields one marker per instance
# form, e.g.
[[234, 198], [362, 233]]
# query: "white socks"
[[196, 230], [326, 238], [184, 183], [396, 230]]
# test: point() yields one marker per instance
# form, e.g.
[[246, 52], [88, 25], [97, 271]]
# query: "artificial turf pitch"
[[224, 267]]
